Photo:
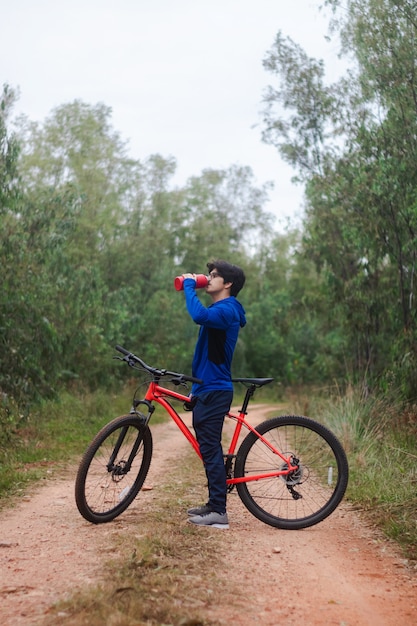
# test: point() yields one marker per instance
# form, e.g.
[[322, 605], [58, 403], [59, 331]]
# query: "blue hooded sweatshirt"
[[219, 328]]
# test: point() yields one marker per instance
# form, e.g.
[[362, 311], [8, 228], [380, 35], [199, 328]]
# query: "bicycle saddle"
[[258, 382]]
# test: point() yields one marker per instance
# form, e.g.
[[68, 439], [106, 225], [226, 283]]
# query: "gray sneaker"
[[213, 519], [200, 510]]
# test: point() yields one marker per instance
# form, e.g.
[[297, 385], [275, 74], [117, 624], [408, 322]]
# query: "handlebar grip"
[[191, 379], [184, 378], [122, 350]]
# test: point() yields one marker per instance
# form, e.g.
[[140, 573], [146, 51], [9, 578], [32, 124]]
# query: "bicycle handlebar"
[[158, 373]]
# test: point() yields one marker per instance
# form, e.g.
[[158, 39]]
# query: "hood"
[[241, 312]]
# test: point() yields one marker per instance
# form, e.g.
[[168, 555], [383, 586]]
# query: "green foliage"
[[379, 436], [91, 239], [53, 433], [91, 246], [354, 145], [10, 419], [9, 151]]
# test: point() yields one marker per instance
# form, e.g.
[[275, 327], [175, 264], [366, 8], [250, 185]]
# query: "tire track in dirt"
[[48, 551], [339, 572]]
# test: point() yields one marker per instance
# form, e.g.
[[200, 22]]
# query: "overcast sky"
[[183, 78]]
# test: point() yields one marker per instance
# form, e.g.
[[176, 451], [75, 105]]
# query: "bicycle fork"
[[122, 467]]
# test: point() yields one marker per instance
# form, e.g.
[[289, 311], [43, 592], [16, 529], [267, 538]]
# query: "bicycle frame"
[[157, 393]]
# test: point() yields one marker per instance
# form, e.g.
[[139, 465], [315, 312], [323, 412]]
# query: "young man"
[[219, 329]]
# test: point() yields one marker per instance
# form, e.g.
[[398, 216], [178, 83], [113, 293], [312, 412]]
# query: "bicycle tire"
[[309, 495], [102, 488]]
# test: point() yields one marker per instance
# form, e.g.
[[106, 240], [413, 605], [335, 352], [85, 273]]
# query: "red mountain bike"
[[290, 472]]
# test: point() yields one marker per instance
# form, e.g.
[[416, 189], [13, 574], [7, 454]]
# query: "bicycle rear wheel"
[[113, 469], [304, 497]]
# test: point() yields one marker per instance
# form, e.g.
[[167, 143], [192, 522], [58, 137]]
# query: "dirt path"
[[340, 572]]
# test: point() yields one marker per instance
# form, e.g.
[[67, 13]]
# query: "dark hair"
[[230, 274]]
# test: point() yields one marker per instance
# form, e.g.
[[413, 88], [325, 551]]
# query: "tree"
[[224, 217], [9, 151], [72, 194], [355, 149], [77, 146]]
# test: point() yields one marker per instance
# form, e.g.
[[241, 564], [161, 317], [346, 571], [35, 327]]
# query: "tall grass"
[[52, 434], [379, 436]]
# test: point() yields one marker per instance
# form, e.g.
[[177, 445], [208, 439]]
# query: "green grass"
[[53, 434], [58, 431], [379, 437]]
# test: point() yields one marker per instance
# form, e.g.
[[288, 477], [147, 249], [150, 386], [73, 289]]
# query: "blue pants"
[[208, 418]]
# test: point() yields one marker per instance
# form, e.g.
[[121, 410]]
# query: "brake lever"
[[123, 358], [127, 359], [178, 382]]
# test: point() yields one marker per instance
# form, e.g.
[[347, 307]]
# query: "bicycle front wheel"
[[303, 497], [113, 469]]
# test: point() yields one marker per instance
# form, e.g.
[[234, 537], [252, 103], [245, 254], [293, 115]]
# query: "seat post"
[[248, 395]]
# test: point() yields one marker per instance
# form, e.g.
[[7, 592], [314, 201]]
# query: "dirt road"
[[340, 572]]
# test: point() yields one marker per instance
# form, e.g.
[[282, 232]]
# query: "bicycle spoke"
[[300, 498], [113, 469]]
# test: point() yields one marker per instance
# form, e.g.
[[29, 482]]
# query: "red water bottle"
[[200, 281]]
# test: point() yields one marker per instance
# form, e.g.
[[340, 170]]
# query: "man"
[[219, 329]]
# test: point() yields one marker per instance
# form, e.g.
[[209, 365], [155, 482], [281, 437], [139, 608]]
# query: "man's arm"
[[216, 317]]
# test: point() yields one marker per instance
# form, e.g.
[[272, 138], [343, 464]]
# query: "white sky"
[[183, 78]]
